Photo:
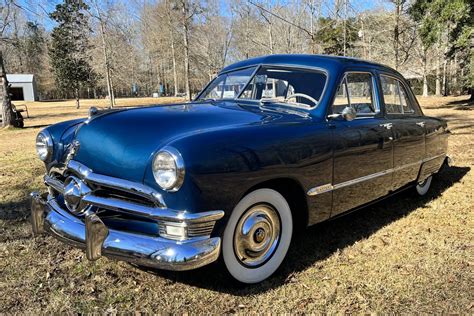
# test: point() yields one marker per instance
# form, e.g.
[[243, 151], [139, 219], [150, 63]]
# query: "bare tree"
[[7, 111], [102, 19], [172, 45]]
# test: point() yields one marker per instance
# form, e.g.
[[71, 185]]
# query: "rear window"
[[395, 96]]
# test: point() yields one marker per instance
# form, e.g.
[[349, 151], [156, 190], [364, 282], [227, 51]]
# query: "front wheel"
[[257, 236]]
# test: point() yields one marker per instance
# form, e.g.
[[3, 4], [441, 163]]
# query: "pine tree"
[[69, 47], [454, 17]]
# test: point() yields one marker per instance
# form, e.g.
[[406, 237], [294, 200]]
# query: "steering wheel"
[[303, 96]]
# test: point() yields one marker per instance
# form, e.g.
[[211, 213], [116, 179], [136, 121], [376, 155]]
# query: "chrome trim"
[[54, 183], [116, 183], [421, 124], [320, 189], [49, 145], [386, 125], [164, 214], [257, 235], [330, 187], [80, 197], [151, 251], [96, 233], [180, 169]]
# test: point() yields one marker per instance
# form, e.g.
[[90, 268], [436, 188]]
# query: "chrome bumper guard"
[[94, 236]]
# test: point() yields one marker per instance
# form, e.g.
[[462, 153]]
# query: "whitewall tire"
[[257, 236], [422, 188]]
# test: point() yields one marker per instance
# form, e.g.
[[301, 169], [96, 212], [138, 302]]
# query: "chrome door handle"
[[386, 125], [421, 124]]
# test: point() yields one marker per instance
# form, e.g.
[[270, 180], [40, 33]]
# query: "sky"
[[37, 10]]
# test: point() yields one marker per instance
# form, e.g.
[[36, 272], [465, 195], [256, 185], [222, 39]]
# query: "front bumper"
[[93, 235]]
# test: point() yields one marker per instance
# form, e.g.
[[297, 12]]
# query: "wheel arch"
[[294, 194]]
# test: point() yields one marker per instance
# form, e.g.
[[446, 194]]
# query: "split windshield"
[[298, 87]]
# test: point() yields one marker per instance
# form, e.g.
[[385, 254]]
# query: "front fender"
[[62, 135], [222, 165]]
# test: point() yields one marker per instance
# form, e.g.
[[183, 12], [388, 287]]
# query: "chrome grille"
[[108, 195]]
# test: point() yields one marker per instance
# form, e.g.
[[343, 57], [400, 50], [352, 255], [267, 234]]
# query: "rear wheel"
[[257, 236], [423, 187]]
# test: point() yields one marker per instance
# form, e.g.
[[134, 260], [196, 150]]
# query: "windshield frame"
[[274, 66]]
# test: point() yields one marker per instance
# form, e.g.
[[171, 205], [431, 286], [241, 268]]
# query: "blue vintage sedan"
[[271, 145]]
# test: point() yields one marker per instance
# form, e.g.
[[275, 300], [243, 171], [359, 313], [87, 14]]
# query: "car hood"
[[121, 143]]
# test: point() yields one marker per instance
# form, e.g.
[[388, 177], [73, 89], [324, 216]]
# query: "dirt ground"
[[405, 254]]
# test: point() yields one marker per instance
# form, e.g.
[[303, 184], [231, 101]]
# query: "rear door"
[[362, 147], [408, 127]]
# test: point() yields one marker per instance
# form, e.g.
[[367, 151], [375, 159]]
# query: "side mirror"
[[348, 113]]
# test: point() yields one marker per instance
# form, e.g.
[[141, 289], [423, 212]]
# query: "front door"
[[362, 147], [408, 131]]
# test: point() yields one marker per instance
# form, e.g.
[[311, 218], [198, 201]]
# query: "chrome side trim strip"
[[321, 189], [330, 187]]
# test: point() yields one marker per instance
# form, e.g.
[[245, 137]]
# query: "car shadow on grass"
[[322, 240]]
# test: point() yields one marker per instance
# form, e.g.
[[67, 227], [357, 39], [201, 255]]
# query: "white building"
[[22, 87]]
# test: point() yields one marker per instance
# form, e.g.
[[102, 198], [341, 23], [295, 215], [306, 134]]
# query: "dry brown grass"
[[405, 254]]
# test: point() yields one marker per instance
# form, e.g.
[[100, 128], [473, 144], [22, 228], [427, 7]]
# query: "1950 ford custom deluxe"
[[271, 145]]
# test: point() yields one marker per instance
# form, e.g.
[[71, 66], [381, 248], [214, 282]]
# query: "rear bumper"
[[92, 235]]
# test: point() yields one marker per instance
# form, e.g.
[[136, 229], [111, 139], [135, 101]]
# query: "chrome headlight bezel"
[[174, 156], [44, 140]]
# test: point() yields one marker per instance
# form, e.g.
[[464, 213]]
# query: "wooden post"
[[7, 112]]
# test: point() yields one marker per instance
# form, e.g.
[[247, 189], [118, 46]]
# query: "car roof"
[[305, 60]]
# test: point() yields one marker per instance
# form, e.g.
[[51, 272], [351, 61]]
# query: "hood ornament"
[[72, 151]]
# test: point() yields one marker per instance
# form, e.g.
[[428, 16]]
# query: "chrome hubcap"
[[257, 235]]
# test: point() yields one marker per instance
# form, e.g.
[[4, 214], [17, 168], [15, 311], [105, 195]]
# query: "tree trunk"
[[110, 88], [445, 82], [425, 66], [185, 10], [425, 86], [438, 77], [396, 33], [76, 92], [173, 52], [7, 111], [108, 79]]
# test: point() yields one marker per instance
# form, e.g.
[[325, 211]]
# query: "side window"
[[355, 91], [395, 96]]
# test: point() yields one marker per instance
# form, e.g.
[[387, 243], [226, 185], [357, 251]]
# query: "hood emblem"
[[73, 149]]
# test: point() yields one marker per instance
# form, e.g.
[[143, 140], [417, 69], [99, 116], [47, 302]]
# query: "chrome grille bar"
[[164, 214]]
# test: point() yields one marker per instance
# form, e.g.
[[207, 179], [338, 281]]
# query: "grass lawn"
[[405, 254]]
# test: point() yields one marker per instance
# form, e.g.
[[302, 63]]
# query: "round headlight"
[[168, 169], [44, 145]]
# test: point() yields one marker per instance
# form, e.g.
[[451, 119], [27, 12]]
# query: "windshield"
[[299, 87], [228, 85]]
